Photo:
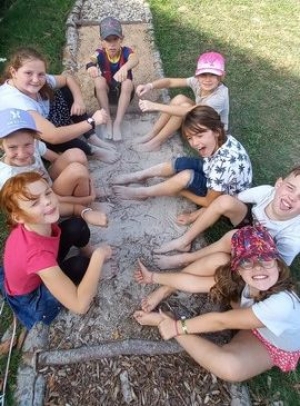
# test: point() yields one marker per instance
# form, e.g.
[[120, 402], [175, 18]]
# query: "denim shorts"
[[197, 183], [39, 305]]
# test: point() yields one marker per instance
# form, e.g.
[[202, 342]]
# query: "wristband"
[[151, 86], [84, 211], [90, 65], [183, 326]]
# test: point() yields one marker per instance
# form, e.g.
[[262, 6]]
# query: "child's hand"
[[100, 117], [78, 108], [93, 71], [143, 89], [167, 327], [121, 75], [146, 105], [105, 251]]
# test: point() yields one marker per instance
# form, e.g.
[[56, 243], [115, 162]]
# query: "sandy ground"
[[135, 227]]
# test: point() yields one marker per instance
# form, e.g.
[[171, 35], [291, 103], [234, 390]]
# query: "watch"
[[91, 122]]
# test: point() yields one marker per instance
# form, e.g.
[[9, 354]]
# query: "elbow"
[[80, 308], [83, 309]]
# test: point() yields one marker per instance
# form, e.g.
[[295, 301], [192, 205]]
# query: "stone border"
[[30, 384]]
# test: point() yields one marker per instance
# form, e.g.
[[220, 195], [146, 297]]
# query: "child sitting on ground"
[[39, 281], [224, 169], [266, 312], [110, 68], [23, 152], [56, 104], [276, 207], [208, 90]]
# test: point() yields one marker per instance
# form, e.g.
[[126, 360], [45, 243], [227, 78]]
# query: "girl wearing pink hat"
[[208, 89], [265, 309]]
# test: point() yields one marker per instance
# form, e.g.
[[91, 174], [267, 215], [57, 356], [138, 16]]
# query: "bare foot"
[[126, 178], [108, 130], [106, 155], [152, 301], [179, 244], [128, 193], [147, 147], [97, 142], [95, 218], [187, 218], [171, 261], [142, 274], [117, 135], [147, 319], [141, 140]]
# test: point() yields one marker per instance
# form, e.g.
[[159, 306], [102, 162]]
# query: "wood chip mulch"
[[168, 380]]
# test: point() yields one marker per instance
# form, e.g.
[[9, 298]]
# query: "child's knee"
[[180, 99], [77, 170], [127, 86], [75, 155], [100, 84]]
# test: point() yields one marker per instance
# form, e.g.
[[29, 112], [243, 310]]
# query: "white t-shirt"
[[286, 233], [218, 99], [7, 171], [11, 97], [280, 314], [229, 169]]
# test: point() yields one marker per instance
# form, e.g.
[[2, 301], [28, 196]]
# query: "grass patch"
[[40, 24], [262, 48]]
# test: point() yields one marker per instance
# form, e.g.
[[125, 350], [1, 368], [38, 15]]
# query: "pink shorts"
[[285, 360]]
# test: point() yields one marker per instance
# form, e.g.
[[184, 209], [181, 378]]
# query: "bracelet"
[[151, 86], [183, 326], [89, 65], [84, 211], [176, 328]]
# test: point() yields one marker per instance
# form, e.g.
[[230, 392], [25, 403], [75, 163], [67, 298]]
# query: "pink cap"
[[211, 62]]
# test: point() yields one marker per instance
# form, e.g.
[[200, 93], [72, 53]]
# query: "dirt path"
[[135, 229]]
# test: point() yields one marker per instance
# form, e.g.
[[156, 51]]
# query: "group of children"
[[42, 117]]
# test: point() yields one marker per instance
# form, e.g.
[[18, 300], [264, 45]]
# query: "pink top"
[[25, 254]]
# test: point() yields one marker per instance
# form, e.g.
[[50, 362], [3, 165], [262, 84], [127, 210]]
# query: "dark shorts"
[[39, 305], [114, 93], [197, 183], [247, 220]]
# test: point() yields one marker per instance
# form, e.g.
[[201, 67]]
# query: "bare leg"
[[74, 180], [155, 143], [243, 358], [165, 126], [225, 205], [65, 159], [175, 261], [102, 97], [163, 170], [169, 187], [97, 142], [186, 218], [147, 319], [108, 156], [196, 278], [150, 302], [160, 123], [124, 100]]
